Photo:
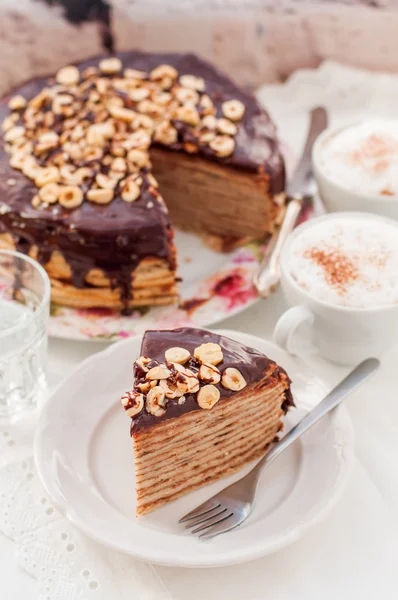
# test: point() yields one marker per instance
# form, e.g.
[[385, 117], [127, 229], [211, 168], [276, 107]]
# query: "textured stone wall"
[[253, 40]]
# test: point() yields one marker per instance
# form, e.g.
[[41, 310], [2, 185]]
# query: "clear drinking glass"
[[24, 311]]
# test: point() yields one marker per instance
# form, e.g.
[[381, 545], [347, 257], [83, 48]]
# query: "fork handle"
[[353, 380]]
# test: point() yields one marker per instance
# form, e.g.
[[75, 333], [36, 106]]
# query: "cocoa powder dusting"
[[374, 155], [339, 271]]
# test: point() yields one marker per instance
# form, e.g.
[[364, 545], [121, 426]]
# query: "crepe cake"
[[202, 406], [89, 154]]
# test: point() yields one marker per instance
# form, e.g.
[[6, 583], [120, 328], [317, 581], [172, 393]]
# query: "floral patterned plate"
[[214, 286]]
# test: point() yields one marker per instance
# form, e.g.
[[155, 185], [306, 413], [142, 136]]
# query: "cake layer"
[[217, 455], [151, 283], [181, 456], [209, 198]]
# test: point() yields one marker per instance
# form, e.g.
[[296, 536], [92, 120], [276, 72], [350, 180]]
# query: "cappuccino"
[[363, 158], [347, 261]]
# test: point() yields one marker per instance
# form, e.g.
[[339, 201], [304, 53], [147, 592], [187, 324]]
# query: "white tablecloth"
[[353, 554]]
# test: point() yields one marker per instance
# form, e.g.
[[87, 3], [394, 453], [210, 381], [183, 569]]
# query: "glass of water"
[[24, 311]]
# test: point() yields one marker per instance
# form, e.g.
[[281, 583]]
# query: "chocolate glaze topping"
[[251, 363], [116, 237]]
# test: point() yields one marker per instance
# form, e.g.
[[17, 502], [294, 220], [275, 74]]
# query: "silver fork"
[[230, 507]]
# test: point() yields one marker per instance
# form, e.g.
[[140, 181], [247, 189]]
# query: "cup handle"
[[286, 333]]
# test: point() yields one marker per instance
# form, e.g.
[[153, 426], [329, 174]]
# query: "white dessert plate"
[[85, 460]]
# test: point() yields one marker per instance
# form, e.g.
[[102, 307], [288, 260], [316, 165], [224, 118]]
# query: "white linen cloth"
[[352, 555]]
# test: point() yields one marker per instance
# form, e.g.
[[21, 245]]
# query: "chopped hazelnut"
[[124, 114], [148, 107], [135, 74], [226, 126], [165, 133], [158, 372], [184, 95], [104, 181], [163, 98], [145, 386], [192, 82], [187, 114], [110, 66], [206, 137], [170, 389], [144, 122], [156, 401], [206, 105], [17, 160], [209, 122], [139, 94], [119, 164], [17, 102], [177, 355], [209, 373], [188, 382], [139, 139], [93, 153], [233, 109], [13, 134], [47, 141], [70, 196], [138, 157], [232, 379], [208, 396], [209, 353], [9, 121], [46, 175], [142, 362], [49, 193], [90, 72], [36, 202], [68, 75], [130, 191], [163, 71], [223, 145], [82, 174], [133, 403], [100, 196], [151, 180]]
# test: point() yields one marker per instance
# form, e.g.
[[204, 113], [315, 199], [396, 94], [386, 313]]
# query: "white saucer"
[[85, 460]]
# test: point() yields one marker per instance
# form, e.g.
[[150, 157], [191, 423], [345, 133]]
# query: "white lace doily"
[[67, 565]]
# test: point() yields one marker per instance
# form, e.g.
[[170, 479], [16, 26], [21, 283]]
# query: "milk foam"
[[364, 158], [347, 261]]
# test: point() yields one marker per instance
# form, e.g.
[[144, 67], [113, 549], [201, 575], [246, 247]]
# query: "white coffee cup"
[[346, 187], [341, 334]]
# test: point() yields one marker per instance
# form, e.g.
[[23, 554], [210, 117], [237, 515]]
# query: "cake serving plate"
[[214, 286], [85, 460]]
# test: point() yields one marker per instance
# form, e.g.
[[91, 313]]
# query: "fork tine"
[[215, 512], [220, 518], [200, 510], [222, 527]]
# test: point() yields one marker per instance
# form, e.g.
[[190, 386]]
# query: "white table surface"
[[352, 555]]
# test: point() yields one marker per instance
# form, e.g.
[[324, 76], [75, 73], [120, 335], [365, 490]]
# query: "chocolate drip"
[[252, 364]]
